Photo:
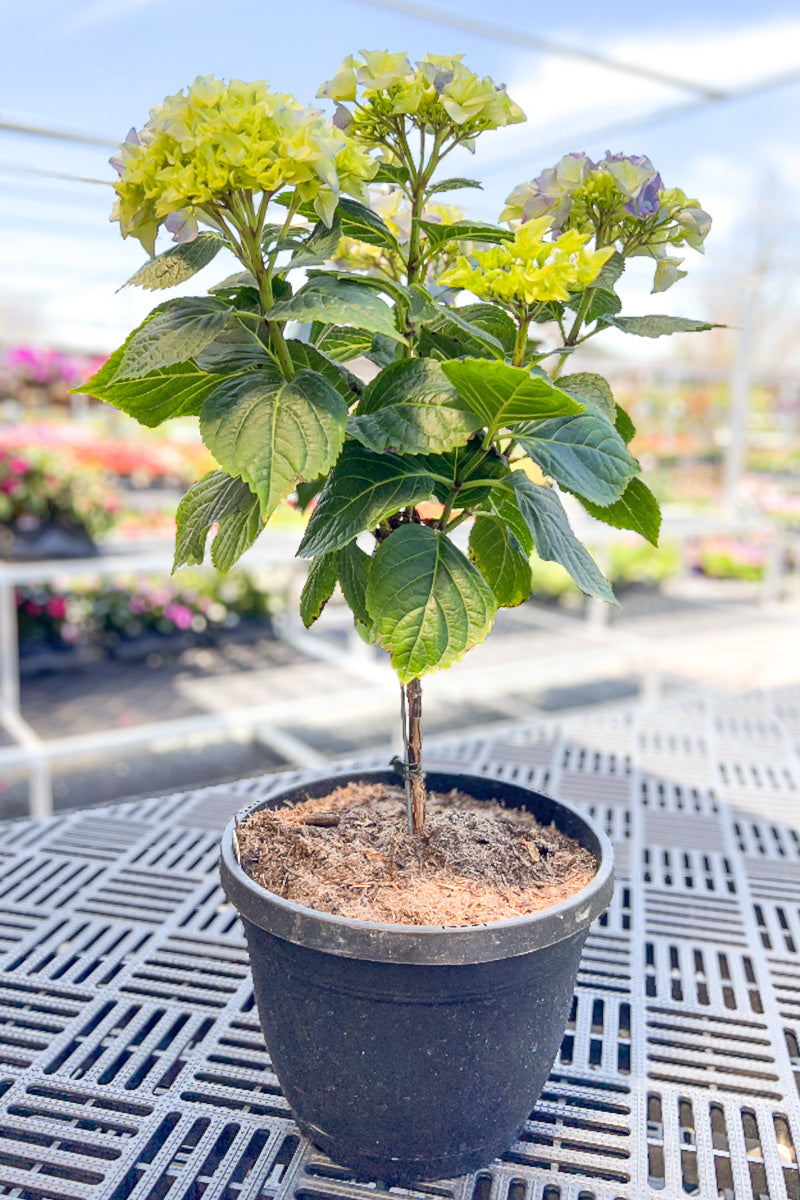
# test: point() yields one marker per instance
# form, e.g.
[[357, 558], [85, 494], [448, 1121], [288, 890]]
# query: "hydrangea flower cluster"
[[439, 92], [220, 138], [530, 270], [620, 201]]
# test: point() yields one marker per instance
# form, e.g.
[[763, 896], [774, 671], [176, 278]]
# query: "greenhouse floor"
[[328, 695]]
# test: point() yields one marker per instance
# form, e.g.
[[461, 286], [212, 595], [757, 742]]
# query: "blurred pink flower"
[[179, 614], [56, 608]]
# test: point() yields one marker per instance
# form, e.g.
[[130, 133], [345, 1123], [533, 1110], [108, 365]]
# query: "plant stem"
[[572, 336], [414, 753], [521, 341]]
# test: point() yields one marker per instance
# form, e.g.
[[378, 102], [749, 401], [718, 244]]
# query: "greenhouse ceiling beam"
[[655, 117], [58, 135], [518, 38]]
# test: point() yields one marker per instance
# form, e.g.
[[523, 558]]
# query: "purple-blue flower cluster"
[[621, 201]]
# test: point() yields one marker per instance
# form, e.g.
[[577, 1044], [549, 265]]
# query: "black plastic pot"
[[415, 1052]]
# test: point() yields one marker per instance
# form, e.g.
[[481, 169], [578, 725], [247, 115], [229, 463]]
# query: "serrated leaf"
[[321, 244], [506, 508], [175, 391], [318, 588], [341, 343], [636, 509], [492, 320], [412, 408], [428, 603], [659, 326], [464, 231], [553, 538], [178, 333], [454, 184], [468, 469], [353, 566], [451, 324], [332, 301], [505, 396], [237, 347], [501, 561], [624, 425], [178, 263], [364, 225], [273, 433], [216, 498], [594, 388], [583, 453], [389, 173], [239, 279], [307, 357], [363, 490]]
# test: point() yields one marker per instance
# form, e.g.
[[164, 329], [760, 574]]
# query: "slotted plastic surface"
[[131, 1061]]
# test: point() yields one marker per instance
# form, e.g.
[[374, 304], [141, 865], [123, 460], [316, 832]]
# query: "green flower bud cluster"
[[439, 93], [530, 270], [222, 138]]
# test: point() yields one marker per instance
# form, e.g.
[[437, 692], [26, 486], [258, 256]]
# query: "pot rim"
[[445, 945]]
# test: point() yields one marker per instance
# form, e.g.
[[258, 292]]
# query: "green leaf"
[[320, 245], [174, 335], [584, 454], [178, 263], [174, 391], [306, 492], [624, 425], [412, 408], [363, 490], [335, 302], [376, 283], [339, 342], [364, 225], [307, 357], [353, 566], [506, 508], [450, 323], [452, 185], [237, 348], [553, 538], [428, 603], [216, 498], [636, 509], [602, 298], [468, 469], [273, 433], [492, 320], [659, 326], [585, 386], [318, 588], [390, 173], [501, 560], [503, 396], [464, 231]]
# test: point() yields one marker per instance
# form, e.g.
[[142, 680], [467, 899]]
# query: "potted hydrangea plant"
[[406, 1050]]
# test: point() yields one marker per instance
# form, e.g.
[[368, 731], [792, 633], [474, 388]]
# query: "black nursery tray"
[[131, 1061]]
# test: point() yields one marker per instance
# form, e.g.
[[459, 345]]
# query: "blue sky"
[[96, 66]]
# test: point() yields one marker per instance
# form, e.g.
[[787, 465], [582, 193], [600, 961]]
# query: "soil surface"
[[349, 853]]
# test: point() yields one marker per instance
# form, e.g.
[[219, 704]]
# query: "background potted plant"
[[49, 511], [405, 1052]]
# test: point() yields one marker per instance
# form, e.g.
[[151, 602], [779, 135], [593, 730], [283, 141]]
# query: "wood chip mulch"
[[349, 853]]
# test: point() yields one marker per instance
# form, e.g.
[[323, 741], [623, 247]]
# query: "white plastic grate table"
[[131, 1062]]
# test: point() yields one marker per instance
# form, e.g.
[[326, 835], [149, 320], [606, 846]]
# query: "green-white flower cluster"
[[222, 138]]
